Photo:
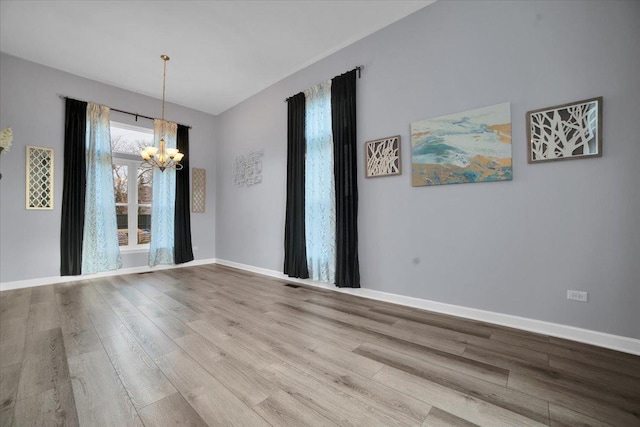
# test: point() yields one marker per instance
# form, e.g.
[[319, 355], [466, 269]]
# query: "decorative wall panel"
[[198, 189], [39, 178], [247, 169]]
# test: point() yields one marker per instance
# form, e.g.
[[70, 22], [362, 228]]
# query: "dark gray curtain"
[[183, 251], [343, 123], [73, 187], [295, 245]]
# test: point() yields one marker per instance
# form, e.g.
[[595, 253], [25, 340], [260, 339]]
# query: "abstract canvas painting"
[[473, 146], [382, 157], [569, 131]]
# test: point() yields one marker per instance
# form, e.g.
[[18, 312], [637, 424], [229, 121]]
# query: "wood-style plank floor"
[[211, 345]]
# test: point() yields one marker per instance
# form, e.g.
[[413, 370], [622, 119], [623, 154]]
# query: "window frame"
[[132, 162]]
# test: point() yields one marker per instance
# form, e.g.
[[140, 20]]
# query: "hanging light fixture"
[[162, 157]]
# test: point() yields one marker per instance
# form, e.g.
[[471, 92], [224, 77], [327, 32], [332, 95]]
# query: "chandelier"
[[162, 157]]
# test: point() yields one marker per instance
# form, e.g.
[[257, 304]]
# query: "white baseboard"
[[600, 339], [41, 281]]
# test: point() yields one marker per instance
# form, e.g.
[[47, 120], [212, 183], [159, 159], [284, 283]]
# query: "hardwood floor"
[[211, 345]]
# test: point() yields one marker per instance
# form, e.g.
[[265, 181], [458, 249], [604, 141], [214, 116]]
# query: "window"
[[320, 200], [132, 185]]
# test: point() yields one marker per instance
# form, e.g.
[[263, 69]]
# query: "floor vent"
[[291, 285], [145, 272]]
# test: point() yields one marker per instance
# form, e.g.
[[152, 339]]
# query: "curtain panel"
[[322, 214], [100, 250], [163, 201], [295, 252], [73, 187], [183, 251], [343, 117], [320, 196]]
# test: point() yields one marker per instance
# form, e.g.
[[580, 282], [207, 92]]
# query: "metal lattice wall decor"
[[39, 178], [198, 189], [382, 157], [247, 169]]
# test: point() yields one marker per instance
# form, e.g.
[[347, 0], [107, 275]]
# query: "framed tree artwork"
[[564, 132]]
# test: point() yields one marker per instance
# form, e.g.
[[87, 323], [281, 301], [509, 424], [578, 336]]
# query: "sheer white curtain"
[[163, 204], [100, 250], [320, 203]]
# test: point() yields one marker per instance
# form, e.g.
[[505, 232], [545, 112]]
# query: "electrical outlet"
[[578, 295], [195, 248]]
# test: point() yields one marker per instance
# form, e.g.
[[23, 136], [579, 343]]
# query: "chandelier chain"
[[165, 58]]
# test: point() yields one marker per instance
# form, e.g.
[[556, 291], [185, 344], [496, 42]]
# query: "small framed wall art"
[[564, 132], [39, 178], [382, 157]]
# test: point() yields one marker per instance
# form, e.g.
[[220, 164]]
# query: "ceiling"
[[222, 52]]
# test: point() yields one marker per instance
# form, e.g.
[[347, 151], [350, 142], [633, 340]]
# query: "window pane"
[[123, 225], [120, 178], [129, 139], [144, 224], [145, 176]]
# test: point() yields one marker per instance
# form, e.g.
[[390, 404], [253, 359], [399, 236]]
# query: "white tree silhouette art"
[[383, 157], [566, 132]]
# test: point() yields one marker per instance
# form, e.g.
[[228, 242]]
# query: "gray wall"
[[509, 247], [29, 103]]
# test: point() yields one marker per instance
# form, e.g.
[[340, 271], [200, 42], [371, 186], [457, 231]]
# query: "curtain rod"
[[121, 111], [358, 67]]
